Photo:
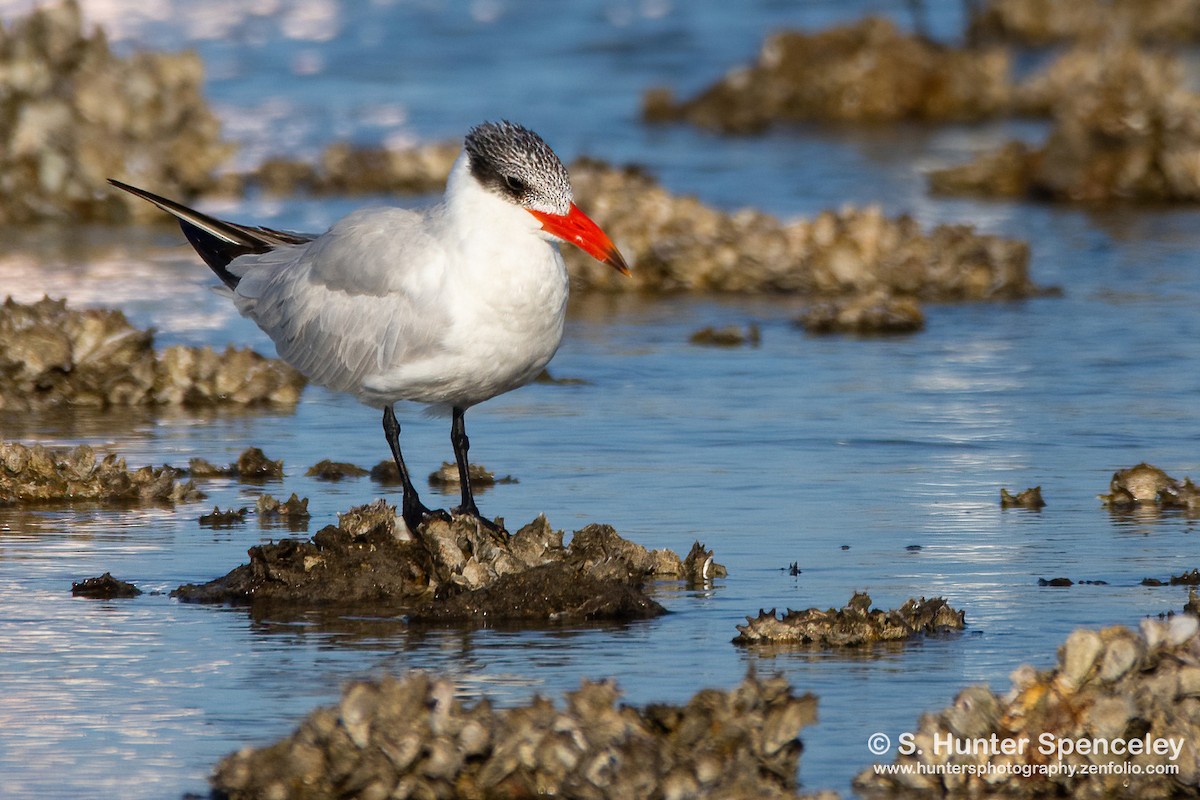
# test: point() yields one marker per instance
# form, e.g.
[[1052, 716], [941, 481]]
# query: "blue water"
[[769, 455]]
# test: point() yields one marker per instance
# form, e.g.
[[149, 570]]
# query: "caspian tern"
[[449, 306]]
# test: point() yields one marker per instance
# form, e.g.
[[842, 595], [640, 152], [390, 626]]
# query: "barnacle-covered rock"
[[456, 570], [867, 71], [73, 113], [855, 624], [53, 356], [413, 737], [39, 474], [1118, 716]]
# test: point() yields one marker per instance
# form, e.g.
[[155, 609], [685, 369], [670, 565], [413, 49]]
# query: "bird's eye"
[[514, 184]]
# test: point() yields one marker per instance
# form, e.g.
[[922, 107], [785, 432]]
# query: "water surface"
[[771, 455]]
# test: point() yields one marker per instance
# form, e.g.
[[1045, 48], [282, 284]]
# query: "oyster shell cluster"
[[866, 71], [1145, 486], [1126, 127], [52, 356], [1111, 684], [72, 114], [457, 570], [37, 474], [1038, 23], [413, 737], [679, 243], [855, 624]]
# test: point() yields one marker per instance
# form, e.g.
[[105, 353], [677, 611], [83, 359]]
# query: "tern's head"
[[515, 163]]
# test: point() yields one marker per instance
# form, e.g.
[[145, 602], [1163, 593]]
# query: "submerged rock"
[[1184, 579], [446, 476], [106, 587], [53, 356], [867, 71], [876, 313], [455, 570], [1029, 498], [292, 513], [728, 336], [42, 475], [223, 519], [1147, 486], [252, 465], [74, 113], [327, 470], [855, 624], [413, 737], [1110, 687]]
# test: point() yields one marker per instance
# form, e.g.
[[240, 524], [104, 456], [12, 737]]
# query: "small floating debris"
[[446, 476], [1110, 685], [855, 624], [1029, 498], [728, 336], [106, 587], [414, 733], [327, 470], [39, 474]]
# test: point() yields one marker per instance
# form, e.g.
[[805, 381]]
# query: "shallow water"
[[769, 455]]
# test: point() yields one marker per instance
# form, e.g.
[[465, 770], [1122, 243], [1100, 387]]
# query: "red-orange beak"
[[577, 228]]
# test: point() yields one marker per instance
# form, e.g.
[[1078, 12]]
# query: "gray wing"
[[357, 302]]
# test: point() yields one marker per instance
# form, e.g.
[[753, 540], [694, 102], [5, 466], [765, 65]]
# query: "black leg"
[[461, 444], [411, 508]]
